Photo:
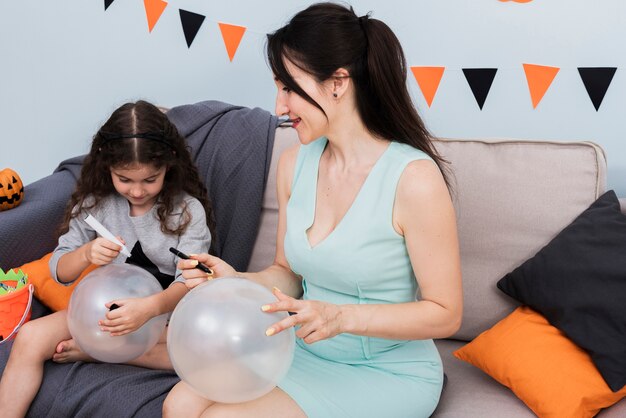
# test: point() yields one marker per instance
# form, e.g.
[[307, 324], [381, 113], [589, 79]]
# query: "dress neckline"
[[357, 197]]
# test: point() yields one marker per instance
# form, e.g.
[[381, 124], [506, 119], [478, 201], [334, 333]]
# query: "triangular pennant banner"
[[479, 80], [597, 81], [107, 3], [232, 35], [539, 78], [154, 10], [191, 24], [428, 79]]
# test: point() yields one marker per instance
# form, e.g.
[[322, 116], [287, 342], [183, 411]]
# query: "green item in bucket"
[[18, 277]]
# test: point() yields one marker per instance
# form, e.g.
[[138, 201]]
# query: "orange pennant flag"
[[232, 35], [428, 79], [539, 78], [154, 10]]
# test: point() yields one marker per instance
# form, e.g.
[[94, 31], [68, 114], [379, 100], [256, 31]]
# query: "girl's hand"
[[193, 276], [318, 320], [101, 251], [130, 315]]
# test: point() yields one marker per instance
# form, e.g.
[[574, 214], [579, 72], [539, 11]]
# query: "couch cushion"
[[578, 282], [265, 245], [551, 374], [470, 393], [54, 295], [511, 198]]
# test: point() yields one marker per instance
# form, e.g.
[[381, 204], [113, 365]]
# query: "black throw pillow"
[[578, 282]]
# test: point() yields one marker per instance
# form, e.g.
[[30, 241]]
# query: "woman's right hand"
[[193, 276], [101, 251]]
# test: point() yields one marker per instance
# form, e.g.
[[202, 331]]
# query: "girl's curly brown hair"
[[157, 142]]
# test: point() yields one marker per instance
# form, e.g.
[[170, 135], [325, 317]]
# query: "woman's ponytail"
[[328, 36]]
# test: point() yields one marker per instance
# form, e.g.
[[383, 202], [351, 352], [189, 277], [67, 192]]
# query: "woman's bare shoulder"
[[421, 179]]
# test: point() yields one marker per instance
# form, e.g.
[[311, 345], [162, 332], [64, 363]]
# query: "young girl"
[[139, 181]]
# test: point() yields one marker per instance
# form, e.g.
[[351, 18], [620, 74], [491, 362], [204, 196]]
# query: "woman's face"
[[308, 120]]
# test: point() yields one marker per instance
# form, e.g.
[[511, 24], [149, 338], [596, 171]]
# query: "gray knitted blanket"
[[232, 148]]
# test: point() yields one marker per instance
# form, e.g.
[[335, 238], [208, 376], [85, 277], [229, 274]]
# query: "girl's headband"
[[153, 136]]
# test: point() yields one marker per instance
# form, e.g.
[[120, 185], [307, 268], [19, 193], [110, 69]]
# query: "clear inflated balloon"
[[87, 307], [217, 343]]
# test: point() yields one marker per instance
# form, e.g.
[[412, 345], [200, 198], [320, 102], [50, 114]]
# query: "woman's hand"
[[193, 276], [318, 320], [129, 315], [101, 251]]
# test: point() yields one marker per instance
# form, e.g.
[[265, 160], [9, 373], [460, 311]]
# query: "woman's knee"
[[169, 406], [182, 401]]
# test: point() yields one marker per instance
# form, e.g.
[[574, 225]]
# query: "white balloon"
[[87, 307], [217, 343]]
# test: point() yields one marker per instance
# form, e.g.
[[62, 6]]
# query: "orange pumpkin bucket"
[[15, 303]]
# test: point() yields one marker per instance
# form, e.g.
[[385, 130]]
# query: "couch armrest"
[[30, 230]]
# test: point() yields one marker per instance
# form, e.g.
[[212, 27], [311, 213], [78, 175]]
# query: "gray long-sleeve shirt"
[[114, 213]]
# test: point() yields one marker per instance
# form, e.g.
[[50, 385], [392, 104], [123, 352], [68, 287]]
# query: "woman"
[[366, 235]]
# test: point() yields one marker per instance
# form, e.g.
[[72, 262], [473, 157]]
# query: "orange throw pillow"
[[52, 294], [547, 371]]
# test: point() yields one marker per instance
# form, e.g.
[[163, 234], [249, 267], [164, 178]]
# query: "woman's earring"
[[335, 95]]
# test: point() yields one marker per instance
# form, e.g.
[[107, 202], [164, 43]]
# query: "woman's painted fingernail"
[[270, 332], [194, 263], [276, 289], [209, 276], [265, 308]]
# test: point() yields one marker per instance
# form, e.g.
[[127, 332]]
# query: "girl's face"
[[308, 120], [140, 184]]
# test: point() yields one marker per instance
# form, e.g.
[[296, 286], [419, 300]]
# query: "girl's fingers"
[[115, 304], [115, 331], [109, 248], [112, 322], [112, 316]]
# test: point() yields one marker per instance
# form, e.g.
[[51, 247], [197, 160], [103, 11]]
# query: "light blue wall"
[[66, 65]]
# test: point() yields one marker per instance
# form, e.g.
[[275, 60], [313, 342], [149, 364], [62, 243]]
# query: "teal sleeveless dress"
[[363, 261]]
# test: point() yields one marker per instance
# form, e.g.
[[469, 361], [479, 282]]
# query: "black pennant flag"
[[191, 24], [107, 3], [596, 81], [479, 80]]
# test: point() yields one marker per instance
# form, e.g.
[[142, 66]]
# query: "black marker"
[[186, 257]]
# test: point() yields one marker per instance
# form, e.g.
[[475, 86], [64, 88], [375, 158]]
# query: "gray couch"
[[511, 198]]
